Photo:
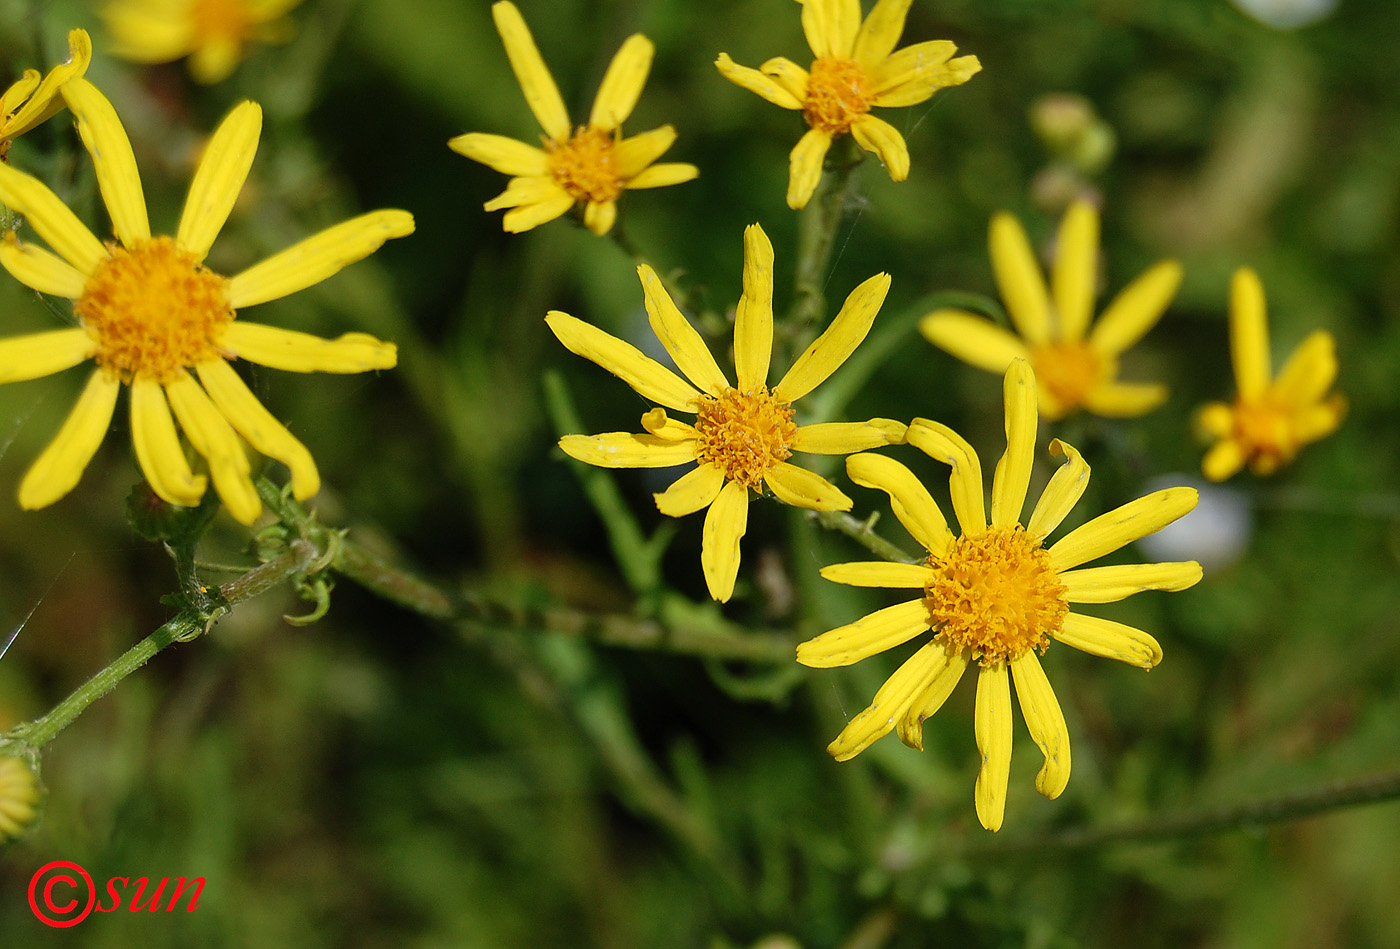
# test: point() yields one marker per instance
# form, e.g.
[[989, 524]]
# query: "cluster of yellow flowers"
[[151, 316]]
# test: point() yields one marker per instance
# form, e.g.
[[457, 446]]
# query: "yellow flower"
[[212, 33], [1271, 419], [994, 595], [149, 312], [856, 68], [592, 164], [19, 797], [742, 435], [31, 100], [1074, 371]]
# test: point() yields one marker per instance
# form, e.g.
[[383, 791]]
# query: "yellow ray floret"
[[994, 596], [591, 164], [31, 100], [1076, 366], [153, 317], [744, 434], [214, 34], [856, 68], [1272, 418]]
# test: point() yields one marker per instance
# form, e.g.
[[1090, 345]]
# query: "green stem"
[[816, 236], [863, 533]]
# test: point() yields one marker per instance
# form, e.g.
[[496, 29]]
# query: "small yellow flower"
[[995, 595], [19, 798], [592, 164], [743, 434], [214, 34], [856, 68], [1074, 371], [31, 100], [1271, 419], [149, 312]]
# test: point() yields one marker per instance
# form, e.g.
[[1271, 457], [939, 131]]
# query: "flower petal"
[[975, 340], [292, 351], [1249, 334], [1319, 421], [842, 438], [59, 467], [831, 26], [891, 703], [1018, 279], [1063, 492], [756, 82], [1075, 276], [805, 167], [1013, 471], [939, 685], [212, 436], [1124, 399], [1122, 525], [883, 139], [924, 79], [1110, 640], [112, 159], [656, 422], [909, 499], [626, 450], [868, 636], [600, 216], [679, 337], [40, 270], [880, 33], [941, 443], [158, 449], [622, 84], [898, 576], [1136, 309], [1045, 722], [318, 257], [992, 726], [829, 350], [663, 176], [1224, 460], [1309, 371], [35, 355], [41, 98], [648, 377], [502, 154], [51, 219], [632, 155], [802, 488], [217, 182], [725, 524], [1216, 418], [1111, 584], [753, 318], [541, 94], [691, 491], [787, 74], [236, 402], [528, 191], [912, 64], [215, 59], [530, 216]]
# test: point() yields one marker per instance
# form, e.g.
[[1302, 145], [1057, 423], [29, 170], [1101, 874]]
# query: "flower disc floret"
[[1069, 370], [995, 594], [153, 310], [584, 166], [837, 95], [744, 434]]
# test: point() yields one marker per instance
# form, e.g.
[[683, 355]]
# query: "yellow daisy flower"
[[994, 595], [214, 34], [31, 100], [743, 434], [1271, 419], [19, 798], [592, 164], [1074, 370], [856, 68], [149, 312]]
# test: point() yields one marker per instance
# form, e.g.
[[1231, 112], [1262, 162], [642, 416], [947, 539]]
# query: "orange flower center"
[[585, 166], [996, 594], [836, 95], [1068, 371], [220, 20], [1264, 428], [744, 434], [153, 310]]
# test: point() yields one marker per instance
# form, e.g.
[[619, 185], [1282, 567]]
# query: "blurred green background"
[[378, 780]]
